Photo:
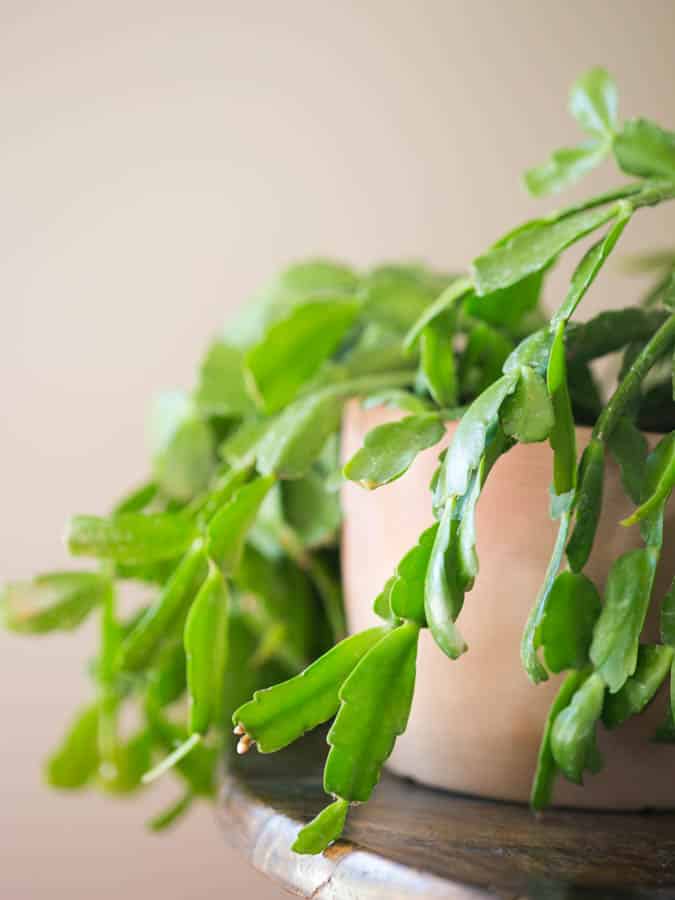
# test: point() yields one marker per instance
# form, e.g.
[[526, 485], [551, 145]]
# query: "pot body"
[[476, 723]]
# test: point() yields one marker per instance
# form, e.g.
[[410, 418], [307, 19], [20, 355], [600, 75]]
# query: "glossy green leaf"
[[284, 602], [617, 632], [565, 167], [591, 263], [377, 349], [296, 438], [628, 446], [643, 148], [130, 538], [54, 601], [322, 830], [547, 769], [532, 249], [138, 499], [527, 414], [142, 642], [588, 504], [471, 438], [668, 617], [311, 509], [200, 767], [167, 676], [611, 331], [532, 634], [562, 436], [222, 492], [183, 447], [445, 580], [585, 396], [566, 627], [293, 349], [664, 482], [533, 351], [406, 594], [484, 356], [396, 295], [437, 365], [278, 715], [594, 102], [389, 450], [299, 282], [76, 761], [221, 388], [397, 399], [653, 667], [124, 771], [375, 704], [205, 639], [656, 488], [228, 529], [573, 733], [309, 278], [506, 308], [240, 448], [382, 603], [454, 292]]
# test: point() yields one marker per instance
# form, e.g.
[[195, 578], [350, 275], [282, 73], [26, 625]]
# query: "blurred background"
[[159, 162]]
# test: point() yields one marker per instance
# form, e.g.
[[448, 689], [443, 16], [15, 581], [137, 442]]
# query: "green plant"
[[236, 534]]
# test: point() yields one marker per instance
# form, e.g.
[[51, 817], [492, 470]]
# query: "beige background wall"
[[161, 160]]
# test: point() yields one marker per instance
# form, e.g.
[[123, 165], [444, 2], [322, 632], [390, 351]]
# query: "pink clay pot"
[[476, 723]]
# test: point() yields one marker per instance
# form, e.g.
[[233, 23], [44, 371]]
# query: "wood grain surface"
[[410, 841]]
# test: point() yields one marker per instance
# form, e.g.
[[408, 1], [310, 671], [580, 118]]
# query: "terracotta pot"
[[476, 723]]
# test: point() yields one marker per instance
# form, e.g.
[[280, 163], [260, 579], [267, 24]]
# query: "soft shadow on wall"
[[159, 163]]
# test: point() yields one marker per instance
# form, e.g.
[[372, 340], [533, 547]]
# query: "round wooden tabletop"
[[410, 841]]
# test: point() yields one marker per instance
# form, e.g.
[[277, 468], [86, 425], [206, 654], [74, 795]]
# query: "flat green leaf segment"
[[617, 634], [374, 707], [562, 435], [573, 741], [221, 388], [594, 102], [547, 767], [293, 350], [296, 438], [77, 759], [390, 449], [205, 638], [232, 535], [130, 538], [54, 601], [183, 448], [229, 527], [406, 591], [471, 438], [643, 148], [588, 505], [144, 639], [527, 414], [567, 622], [277, 716], [565, 166], [532, 636], [536, 247], [323, 830], [652, 669]]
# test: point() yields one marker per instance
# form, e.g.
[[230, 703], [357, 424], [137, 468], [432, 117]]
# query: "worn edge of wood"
[[264, 836]]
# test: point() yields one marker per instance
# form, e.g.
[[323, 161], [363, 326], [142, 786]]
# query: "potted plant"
[[235, 536]]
